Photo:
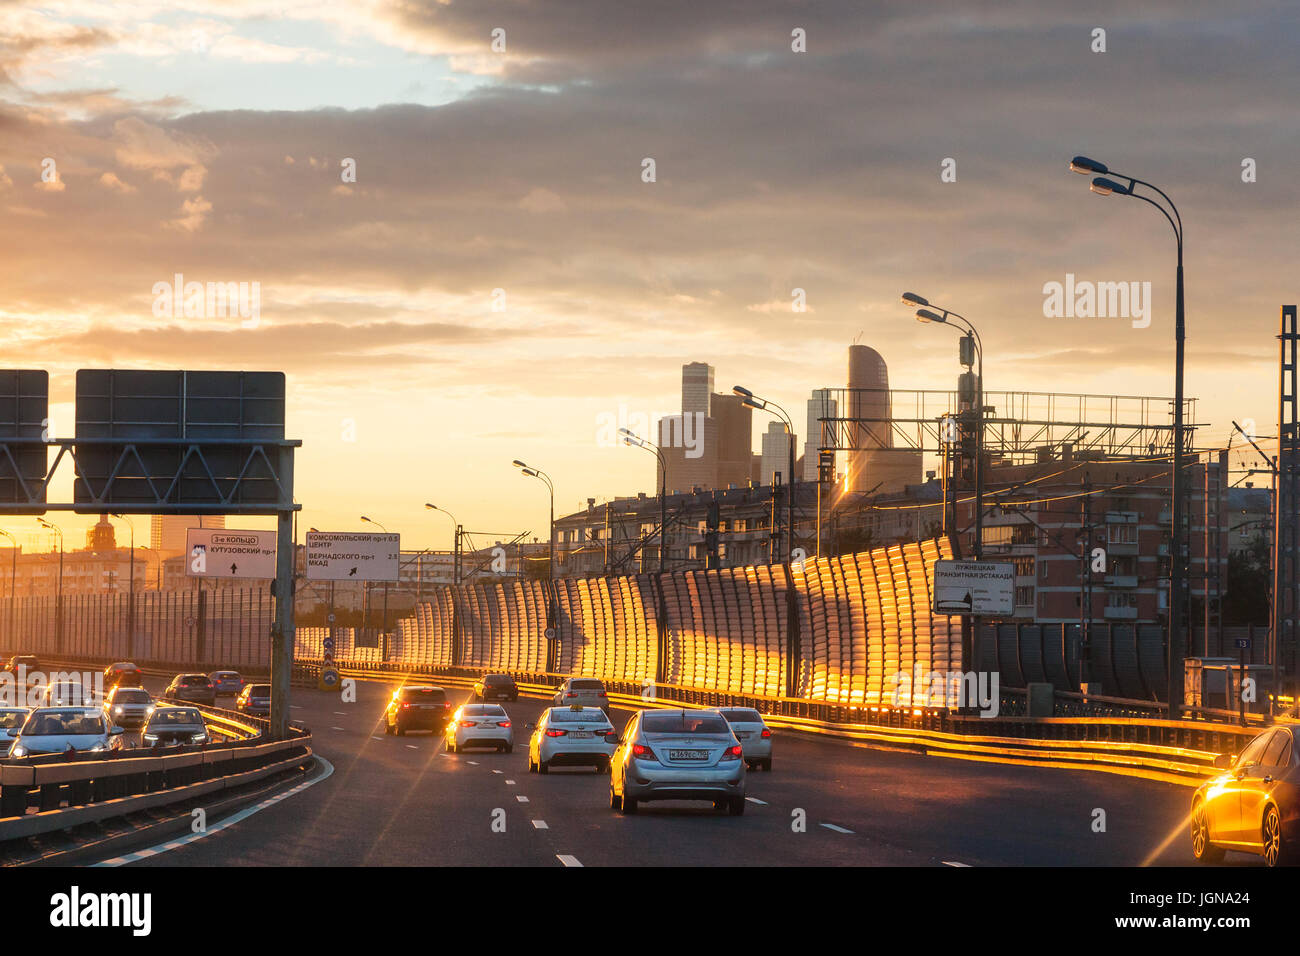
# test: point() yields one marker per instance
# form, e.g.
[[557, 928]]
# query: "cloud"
[[194, 214], [109, 180]]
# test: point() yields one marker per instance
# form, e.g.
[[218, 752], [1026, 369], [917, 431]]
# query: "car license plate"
[[688, 754], [742, 736], [580, 733]]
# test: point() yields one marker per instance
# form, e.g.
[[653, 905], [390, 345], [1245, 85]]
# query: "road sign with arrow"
[[223, 553], [343, 556]]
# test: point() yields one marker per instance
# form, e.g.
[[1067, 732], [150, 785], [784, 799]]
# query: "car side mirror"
[[13, 731], [1224, 761]]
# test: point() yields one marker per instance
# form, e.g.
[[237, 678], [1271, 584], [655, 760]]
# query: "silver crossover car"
[[11, 721], [128, 706], [53, 730], [677, 755]]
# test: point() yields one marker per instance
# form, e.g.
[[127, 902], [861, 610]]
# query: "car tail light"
[[766, 733], [556, 733], [643, 752], [601, 694], [732, 753], [503, 723], [446, 705], [570, 694], [468, 723], [405, 704]]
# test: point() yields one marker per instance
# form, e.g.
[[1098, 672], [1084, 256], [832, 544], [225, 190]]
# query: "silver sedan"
[[677, 755]]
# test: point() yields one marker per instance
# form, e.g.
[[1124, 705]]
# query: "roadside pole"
[[282, 630]]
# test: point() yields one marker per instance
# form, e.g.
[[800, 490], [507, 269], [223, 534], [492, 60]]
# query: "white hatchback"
[[480, 725], [572, 736]]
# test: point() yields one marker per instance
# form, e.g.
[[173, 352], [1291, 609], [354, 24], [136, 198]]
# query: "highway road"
[[403, 801]]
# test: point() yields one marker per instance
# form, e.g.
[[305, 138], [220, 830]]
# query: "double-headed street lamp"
[[636, 441], [750, 400], [925, 312], [538, 473], [58, 612], [1103, 185], [456, 529]]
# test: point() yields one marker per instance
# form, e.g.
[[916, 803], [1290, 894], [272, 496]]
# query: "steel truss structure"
[[1018, 425]]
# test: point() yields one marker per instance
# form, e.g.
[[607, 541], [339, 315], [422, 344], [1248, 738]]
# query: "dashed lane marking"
[[761, 803], [955, 863], [831, 826], [540, 825], [327, 769], [521, 798], [567, 860]]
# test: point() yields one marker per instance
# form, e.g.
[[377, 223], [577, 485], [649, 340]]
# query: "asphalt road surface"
[[403, 801]]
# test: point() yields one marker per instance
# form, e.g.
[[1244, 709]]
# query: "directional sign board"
[[974, 587], [340, 556], [24, 413], [223, 553]]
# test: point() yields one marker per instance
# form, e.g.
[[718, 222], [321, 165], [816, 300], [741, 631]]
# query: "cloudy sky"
[[498, 275]]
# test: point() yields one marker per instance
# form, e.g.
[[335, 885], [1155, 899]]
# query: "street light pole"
[[384, 627], [130, 610], [934, 313], [750, 400], [13, 578], [1104, 186], [455, 527], [58, 604], [538, 473], [629, 438]]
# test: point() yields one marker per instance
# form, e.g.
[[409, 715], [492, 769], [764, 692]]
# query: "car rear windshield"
[[586, 685], [194, 679], [259, 690], [131, 697], [498, 679], [587, 714], [422, 693], [53, 723], [683, 724], [182, 716], [225, 675], [482, 710], [743, 716]]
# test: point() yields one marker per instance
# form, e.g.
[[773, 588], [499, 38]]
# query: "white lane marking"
[[340, 713], [955, 863], [567, 860], [761, 803], [294, 707], [413, 746], [540, 825], [510, 783], [521, 798], [472, 763], [498, 771], [336, 728], [327, 770], [373, 737], [831, 826]]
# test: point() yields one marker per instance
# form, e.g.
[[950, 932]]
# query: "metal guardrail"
[[1173, 751]]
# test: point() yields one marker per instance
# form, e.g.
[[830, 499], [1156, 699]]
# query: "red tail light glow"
[[467, 723], [556, 733], [766, 733], [732, 753], [570, 694], [503, 723], [602, 694], [643, 752]]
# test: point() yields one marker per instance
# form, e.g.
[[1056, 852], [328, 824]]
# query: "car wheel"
[[451, 746], [615, 803], [629, 805], [399, 730], [1276, 850], [388, 728], [736, 807], [1202, 849], [543, 766], [532, 767]]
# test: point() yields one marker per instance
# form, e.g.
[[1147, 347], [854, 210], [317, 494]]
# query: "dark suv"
[[417, 707], [195, 688], [496, 686]]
